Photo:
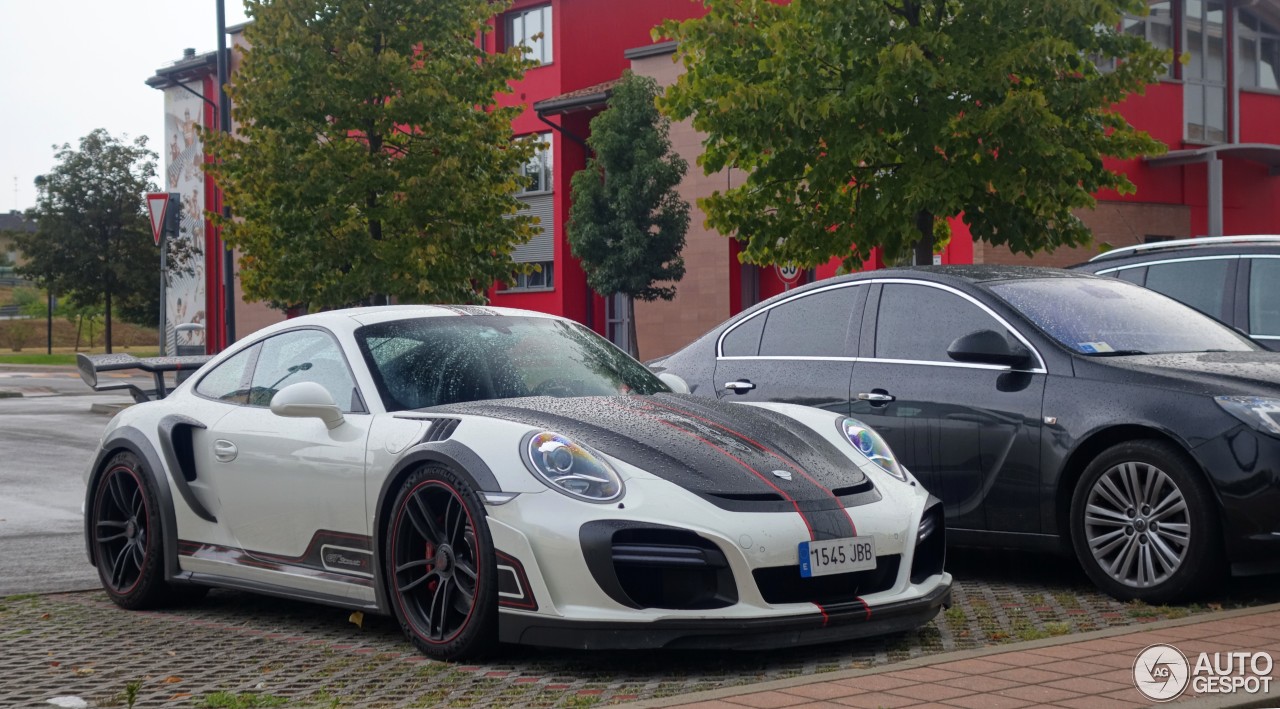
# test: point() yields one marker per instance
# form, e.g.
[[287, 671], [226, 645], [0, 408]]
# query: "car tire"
[[440, 567], [1144, 524], [126, 535]]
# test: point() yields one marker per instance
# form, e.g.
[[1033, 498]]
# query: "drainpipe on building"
[[224, 124]]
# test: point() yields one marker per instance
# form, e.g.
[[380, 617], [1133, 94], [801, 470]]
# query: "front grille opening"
[[931, 545], [783, 584], [672, 569]]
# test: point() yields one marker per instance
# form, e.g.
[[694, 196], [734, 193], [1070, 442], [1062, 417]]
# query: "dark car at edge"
[[1048, 409]]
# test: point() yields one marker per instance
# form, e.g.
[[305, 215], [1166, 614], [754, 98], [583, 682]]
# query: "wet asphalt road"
[[47, 440]]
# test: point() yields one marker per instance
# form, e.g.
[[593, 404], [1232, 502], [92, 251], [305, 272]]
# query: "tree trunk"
[[924, 247], [79, 329], [633, 347], [107, 329], [107, 258]]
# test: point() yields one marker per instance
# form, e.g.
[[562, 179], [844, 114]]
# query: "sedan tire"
[[1143, 524]]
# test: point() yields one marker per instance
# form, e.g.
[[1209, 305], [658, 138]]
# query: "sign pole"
[[164, 297]]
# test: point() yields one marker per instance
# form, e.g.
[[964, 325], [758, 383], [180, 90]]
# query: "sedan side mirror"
[[307, 400], [988, 347]]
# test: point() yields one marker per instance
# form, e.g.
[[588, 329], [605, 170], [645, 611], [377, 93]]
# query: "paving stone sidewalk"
[[1092, 672], [236, 649]]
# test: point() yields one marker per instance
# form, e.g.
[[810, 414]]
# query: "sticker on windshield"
[[1094, 347]]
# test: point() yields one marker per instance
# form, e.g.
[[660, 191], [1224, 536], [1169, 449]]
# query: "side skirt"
[[216, 581]]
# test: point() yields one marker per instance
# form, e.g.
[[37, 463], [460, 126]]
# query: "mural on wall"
[[184, 174]]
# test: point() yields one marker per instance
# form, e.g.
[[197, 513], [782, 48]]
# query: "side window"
[[1136, 276], [227, 382], [303, 356], [1200, 284], [1264, 297], [744, 341], [811, 326], [920, 323]]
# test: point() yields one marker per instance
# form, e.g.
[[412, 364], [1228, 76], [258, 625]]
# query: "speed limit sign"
[[789, 273]]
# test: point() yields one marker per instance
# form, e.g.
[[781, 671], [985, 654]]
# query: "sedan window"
[[1264, 297], [1104, 317], [1202, 284], [814, 325], [920, 322]]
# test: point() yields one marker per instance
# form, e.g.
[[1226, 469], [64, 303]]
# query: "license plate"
[[837, 556]]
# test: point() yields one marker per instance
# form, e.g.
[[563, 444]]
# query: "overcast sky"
[[70, 66]]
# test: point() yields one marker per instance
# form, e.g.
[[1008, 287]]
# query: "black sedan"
[[1048, 410]]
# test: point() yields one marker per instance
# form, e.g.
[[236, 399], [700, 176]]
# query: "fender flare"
[[132, 440], [452, 454]]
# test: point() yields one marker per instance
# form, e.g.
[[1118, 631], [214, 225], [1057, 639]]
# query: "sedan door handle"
[[225, 451], [876, 397], [742, 386]]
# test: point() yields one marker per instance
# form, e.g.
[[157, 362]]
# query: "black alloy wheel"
[[125, 534], [1143, 524], [440, 568]]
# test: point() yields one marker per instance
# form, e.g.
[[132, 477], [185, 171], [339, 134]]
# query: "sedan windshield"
[[448, 360], [1106, 317]]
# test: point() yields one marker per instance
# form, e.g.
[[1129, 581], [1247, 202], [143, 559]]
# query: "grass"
[[243, 700]]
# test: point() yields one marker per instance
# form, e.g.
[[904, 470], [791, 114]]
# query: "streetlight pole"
[[224, 125]]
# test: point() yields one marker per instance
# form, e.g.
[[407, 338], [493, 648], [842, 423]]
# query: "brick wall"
[[1114, 223], [702, 297]]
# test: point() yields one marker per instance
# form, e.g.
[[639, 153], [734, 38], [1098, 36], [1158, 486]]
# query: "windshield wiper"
[[1116, 353]]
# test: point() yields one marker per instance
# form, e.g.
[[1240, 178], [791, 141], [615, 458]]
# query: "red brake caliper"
[[430, 556]]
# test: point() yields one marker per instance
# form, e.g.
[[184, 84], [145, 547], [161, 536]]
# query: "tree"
[[371, 158], [865, 123], [627, 223], [92, 241]]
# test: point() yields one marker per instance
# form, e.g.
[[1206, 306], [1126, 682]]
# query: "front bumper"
[[1244, 467], [836, 623]]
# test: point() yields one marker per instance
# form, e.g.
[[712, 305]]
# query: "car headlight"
[[571, 468], [872, 446], [1257, 411]]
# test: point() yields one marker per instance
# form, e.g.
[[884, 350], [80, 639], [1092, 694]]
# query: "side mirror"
[[988, 347], [676, 383], [307, 400]]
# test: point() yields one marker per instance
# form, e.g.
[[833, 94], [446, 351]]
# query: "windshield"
[[1109, 317], [448, 360]]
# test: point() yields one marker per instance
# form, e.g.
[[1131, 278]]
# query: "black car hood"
[[1209, 372], [725, 453]]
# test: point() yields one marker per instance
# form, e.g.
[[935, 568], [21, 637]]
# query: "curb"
[[111, 409], [1216, 702]]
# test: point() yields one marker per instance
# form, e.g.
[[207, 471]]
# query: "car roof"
[[970, 274], [1201, 246]]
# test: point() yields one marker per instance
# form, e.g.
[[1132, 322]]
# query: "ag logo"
[[1161, 673]]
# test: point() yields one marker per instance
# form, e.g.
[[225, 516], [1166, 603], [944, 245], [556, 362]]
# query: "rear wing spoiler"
[[92, 365]]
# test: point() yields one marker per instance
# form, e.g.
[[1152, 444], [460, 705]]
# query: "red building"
[[1219, 113]]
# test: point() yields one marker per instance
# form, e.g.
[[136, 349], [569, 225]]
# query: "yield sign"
[[157, 206]]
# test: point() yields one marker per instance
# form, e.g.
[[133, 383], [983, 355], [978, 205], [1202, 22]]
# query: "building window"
[[531, 29], [538, 280], [539, 201], [1258, 53], [538, 169], [1156, 28], [1205, 75]]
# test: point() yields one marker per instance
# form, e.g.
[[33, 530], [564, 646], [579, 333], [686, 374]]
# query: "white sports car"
[[490, 475]]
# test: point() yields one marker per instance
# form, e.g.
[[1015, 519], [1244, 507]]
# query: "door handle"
[[742, 386], [876, 397], [225, 451]]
